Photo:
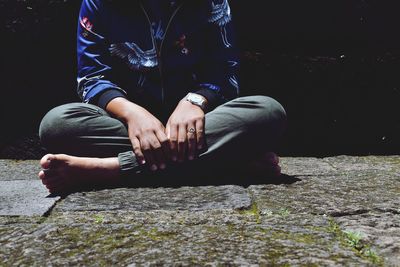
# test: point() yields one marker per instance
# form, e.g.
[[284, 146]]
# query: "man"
[[159, 89]]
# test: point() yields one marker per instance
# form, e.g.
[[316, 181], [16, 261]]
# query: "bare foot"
[[266, 165], [63, 173]]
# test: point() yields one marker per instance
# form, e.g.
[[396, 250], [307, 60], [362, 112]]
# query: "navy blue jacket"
[[154, 55]]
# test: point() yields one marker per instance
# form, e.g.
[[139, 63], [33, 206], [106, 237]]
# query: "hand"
[[146, 132], [184, 144], [149, 141]]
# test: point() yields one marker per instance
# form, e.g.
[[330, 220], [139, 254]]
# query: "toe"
[[42, 175], [45, 162], [271, 158]]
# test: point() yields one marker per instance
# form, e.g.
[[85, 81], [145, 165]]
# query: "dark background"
[[334, 66]]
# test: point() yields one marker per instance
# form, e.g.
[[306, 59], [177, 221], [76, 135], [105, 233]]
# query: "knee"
[[268, 113], [60, 123], [272, 108], [49, 127]]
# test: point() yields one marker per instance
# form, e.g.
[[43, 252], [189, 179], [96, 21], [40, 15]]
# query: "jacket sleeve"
[[94, 83], [218, 75]]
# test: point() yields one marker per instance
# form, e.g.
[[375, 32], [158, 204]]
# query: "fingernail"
[[143, 162], [153, 167], [162, 166]]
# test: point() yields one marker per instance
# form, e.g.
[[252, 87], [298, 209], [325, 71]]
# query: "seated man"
[[159, 89]]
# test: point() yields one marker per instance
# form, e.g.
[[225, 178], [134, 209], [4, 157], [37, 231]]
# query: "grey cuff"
[[128, 163]]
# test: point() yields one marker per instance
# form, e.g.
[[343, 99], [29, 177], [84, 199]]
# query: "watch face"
[[195, 98]]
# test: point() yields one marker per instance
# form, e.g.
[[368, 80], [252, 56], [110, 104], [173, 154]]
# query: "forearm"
[[123, 109]]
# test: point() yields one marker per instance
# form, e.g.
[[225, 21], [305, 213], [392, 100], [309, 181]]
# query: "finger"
[[173, 142], [162, 138], [191, 135], [182, 142], [158, 155], [201, 142], [148, 155], [138, 151]]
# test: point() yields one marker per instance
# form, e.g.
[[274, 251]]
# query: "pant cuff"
[[128, 164]]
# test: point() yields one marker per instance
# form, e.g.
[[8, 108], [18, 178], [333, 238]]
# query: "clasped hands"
[[181, 139]]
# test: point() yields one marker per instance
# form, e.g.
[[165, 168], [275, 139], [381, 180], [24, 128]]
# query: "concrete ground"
[[336, 211]]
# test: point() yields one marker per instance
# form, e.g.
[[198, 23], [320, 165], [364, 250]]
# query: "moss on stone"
[[253, 210], [354, 241], [104, 241]]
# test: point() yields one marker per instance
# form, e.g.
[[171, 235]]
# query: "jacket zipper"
[[158, 51]]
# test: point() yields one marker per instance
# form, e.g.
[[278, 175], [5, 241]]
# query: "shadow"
[[176, 181]]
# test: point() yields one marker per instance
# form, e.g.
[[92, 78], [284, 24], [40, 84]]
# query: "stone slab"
[[335, 196], [362, 197], [178, 238], [11, 170], [24, 197], [306, 166], [311, 221], [345, 163], [145, 199]]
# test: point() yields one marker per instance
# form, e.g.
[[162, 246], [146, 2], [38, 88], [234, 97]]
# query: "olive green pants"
[[235, 132]]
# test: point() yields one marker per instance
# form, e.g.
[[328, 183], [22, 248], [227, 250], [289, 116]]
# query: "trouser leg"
[[81, 129], [243, 127], [238, 132], [235, 132]]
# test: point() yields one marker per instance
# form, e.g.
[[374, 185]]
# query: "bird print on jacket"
[[134, 56], [221, 15]]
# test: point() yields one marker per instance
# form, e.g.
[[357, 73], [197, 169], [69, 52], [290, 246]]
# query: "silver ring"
[[191, 130]]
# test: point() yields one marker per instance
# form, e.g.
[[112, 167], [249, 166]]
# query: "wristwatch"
[[197, 100]]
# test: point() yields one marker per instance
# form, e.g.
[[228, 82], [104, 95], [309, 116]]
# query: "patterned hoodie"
[[155, 52]]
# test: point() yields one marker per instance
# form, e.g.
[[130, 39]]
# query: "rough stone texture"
[[12, 170], [389, 164], [144, 199], [21, 191], [24, 197], [306, 166], [378, 228], [342, 211], [360, 193], [182, 238]]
